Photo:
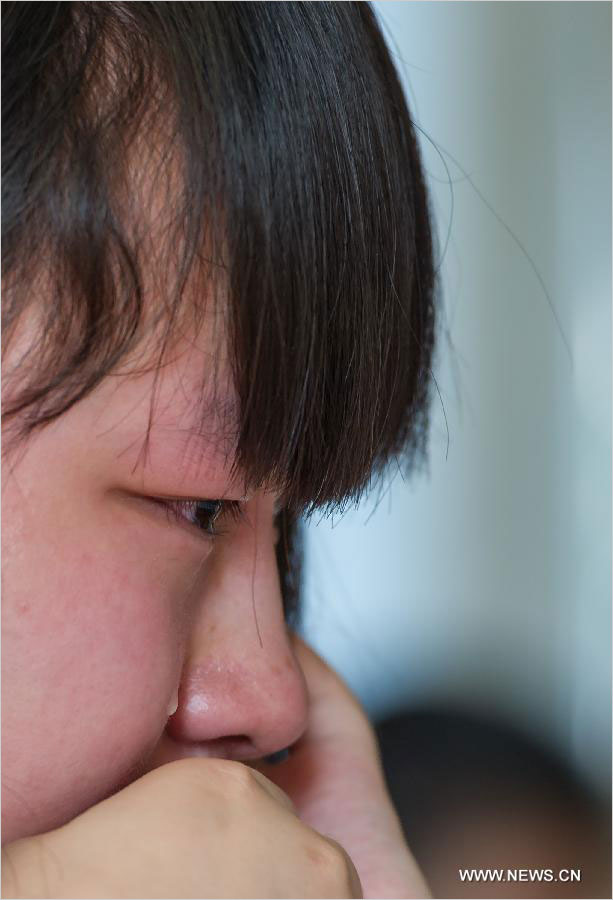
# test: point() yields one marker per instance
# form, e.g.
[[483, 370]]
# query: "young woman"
[[218, 314]]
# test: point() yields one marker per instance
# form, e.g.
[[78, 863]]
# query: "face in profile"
[[137, 619], [207, 320]]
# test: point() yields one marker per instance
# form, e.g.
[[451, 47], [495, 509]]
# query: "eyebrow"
[[203, 448], [198, 446], [214, 422]]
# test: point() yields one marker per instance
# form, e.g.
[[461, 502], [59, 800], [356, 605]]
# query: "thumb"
[[334, 710]]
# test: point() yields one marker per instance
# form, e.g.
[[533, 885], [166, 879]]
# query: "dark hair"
[[281, 139]]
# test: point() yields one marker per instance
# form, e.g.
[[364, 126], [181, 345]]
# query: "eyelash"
[[187, 511]]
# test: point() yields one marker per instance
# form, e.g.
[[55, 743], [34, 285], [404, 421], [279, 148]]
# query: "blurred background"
[[476, 596]]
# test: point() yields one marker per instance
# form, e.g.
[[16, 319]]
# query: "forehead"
[[179, 377], [174, 416]]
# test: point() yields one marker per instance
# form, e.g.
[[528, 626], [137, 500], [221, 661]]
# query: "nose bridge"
[[242, 690]]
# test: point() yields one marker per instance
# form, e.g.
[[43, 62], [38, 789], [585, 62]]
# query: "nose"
[[242, 693]]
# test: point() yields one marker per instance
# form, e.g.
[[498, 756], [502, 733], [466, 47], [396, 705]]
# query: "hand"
[[335, 780], [192, 828]]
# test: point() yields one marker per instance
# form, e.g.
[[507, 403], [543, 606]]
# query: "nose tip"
[[240, 710]]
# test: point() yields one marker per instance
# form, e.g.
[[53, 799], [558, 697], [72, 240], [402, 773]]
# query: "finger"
[[334, 710], [319, 676], [354, 879], [272, 789]]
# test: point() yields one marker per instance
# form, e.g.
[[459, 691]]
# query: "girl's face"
[[117, 607]]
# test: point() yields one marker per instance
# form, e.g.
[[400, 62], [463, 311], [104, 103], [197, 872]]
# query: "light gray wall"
[[487, 584]]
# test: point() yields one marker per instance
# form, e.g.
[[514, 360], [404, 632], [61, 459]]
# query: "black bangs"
[[295, 182]]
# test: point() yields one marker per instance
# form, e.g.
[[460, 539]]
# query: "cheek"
[[91, 652]]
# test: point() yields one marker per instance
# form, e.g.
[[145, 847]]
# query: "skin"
[[113, 612], [180, 831], [111, 608]]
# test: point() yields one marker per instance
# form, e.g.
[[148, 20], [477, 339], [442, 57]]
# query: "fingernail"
[[278, 757]]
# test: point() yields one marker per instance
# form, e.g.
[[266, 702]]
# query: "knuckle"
[[194, 776], [335, 864], [236, 776], [347, 874], [231, 779]]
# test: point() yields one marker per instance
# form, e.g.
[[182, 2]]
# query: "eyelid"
[[179, 509]]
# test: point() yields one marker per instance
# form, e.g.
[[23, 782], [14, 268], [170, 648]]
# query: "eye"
[[203, 514]]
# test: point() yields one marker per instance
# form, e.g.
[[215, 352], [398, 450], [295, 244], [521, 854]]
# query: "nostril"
[[173, 704], [234, 746]]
